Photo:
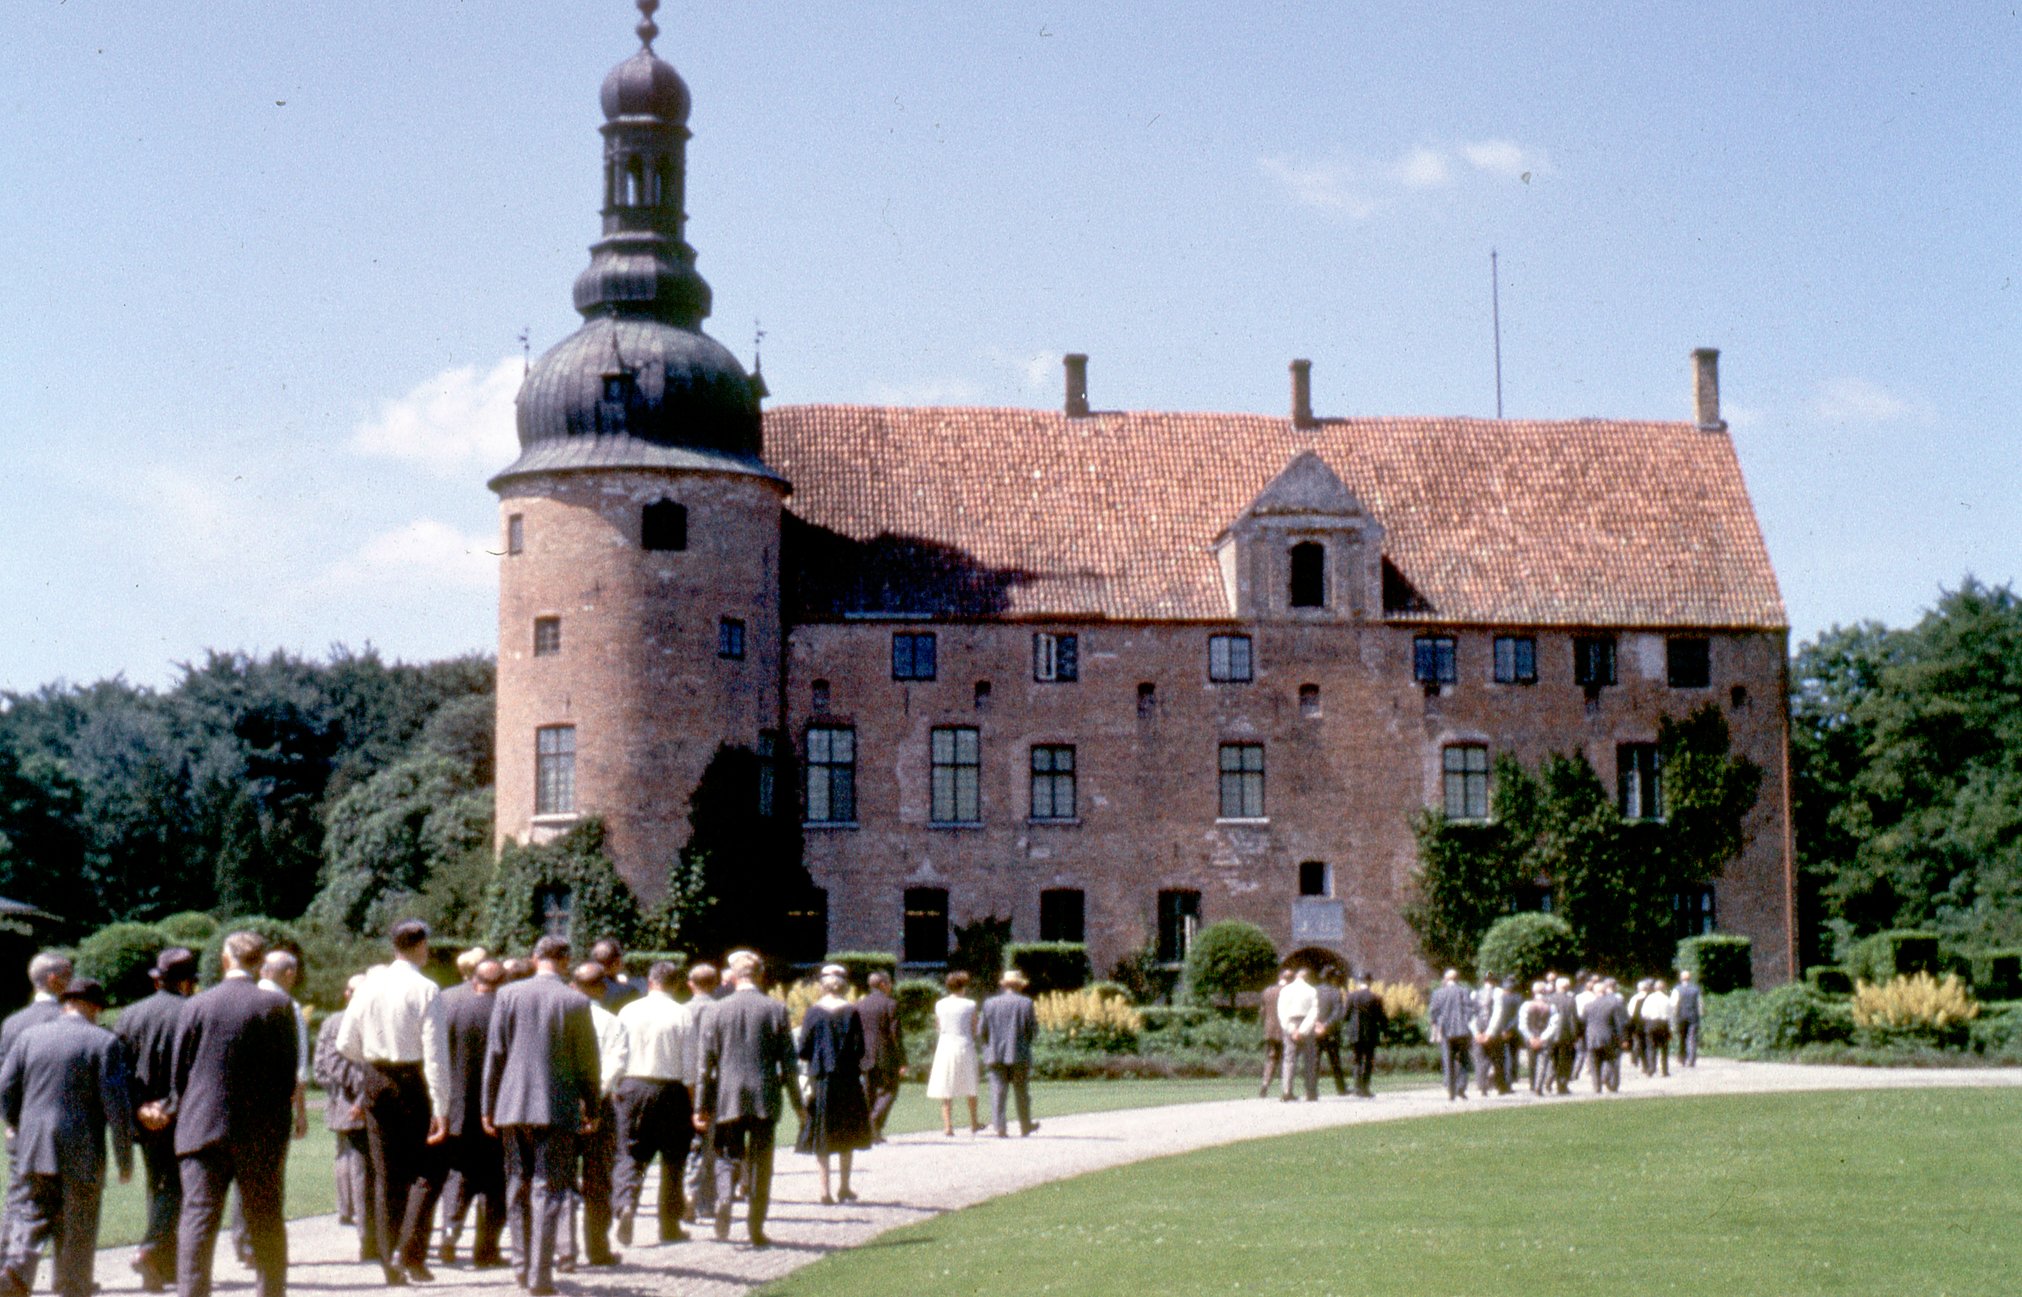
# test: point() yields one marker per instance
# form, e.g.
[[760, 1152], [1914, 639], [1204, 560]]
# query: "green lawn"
[[1791, 1195]]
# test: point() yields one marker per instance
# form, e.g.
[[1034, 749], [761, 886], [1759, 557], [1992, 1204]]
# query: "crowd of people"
[[1495, 1035], [524, 1105]]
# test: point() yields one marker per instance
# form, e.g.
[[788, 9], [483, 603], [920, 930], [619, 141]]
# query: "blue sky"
[[266, 265]]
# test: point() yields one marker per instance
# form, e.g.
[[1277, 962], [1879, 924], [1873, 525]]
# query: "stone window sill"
[[1245, 822], [1063, 821], [830, 824], [954, 824]]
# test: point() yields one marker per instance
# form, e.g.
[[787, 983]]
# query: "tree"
[[569, 882], [387, 838], [1228, 959], [1468, 873], [1526, 947], [741, 872]]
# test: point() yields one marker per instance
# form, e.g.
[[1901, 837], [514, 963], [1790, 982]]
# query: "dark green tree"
[[1469, 872], [746, 843], [570, 878]]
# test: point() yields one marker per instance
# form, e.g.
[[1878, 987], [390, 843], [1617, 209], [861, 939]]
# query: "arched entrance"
[[1316, 959]]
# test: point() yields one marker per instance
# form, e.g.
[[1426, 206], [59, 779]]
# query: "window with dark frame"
[[818, 695], [1063, 914], [1638, 783], [804, 932], [982, 695], [1179, 918], [1147, 700], [1432, 660], [1688, 662], [1056, 658], [547, 636], [1309, 575], [913, 655], [1594, 661], [1516, 660], [663, 525], [1242, 781], [768, 773], [831, 774], [1692, 912], [1315, 879], [516, 534], [955, 757], [1053, 791], [555, 770], [1465, 768], [1309, 701], [1229, 659], [730, 638], [926, 925]]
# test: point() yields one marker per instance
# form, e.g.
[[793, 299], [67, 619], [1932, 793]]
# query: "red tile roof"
[[1574, 523]]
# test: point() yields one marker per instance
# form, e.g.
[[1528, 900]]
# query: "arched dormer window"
[[635, 183], [663, 525], [1309, 575]]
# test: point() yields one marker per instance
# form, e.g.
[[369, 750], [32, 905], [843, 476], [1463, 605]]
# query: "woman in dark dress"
[[832, 1047]]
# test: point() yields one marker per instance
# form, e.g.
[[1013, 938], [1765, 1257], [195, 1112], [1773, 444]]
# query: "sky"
[[267, 267]]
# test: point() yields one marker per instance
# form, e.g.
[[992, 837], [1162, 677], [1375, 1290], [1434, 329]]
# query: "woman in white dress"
[[954, 1074]]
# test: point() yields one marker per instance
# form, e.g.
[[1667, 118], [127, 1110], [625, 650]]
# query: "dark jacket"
[[1267, 1008], [1451, 1012], [466, 1024], [1685, 1002], [747, 1058], [235, 1070], [884, 1043], [1607, 1022], [61, 1088], [148, 1030], [541, 1066], [31, 1015], [1005, 1027], [1363, 1019]]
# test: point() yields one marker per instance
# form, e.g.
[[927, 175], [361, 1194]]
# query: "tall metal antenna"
[[1495, 312], [526, 352]]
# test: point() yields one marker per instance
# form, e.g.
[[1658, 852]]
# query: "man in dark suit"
[[1274, 1031], [1686, 1010], [617, 990], [476, 1163], [1362, 1023], [148, 1030], [1450, 1015], [48, 973], [1327, 1037], [1605, 1027], [540, 1095], [705, 991], [62, 1086], [748, 1064], [1567, 1047], [232, 1104], [1005, 1027], [884, 1051]]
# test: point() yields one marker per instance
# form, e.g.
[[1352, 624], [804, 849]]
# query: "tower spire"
[[647, 28]]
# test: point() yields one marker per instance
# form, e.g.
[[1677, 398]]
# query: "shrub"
[[1721, 961], [1916, 1009], [639, 962], [1050, 965], [1088, 1021], [279, 935], [120, 955], [1112, 989], [1829, 979], [1889, 955], [979, 948], [1997, 1032], [1526, 946], [1143, 977], [1753, 1024], [574, 865], [191, 928], [800, 995], [1404, 1007], [331, 954], [862, 963], [1996, 974], [916, 997], [1228, 959]]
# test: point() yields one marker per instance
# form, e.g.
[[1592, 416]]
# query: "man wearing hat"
[[1005, 1027], [148, 1029], [1362, 1023], [62, 1085]]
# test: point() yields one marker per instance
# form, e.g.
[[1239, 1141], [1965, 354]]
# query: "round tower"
[[639, 584]]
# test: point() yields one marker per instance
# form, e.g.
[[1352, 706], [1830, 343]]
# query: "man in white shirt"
[[394, 1027], [1656, 1033], [1299, 1019], [652, 1101], [1638, 1041]]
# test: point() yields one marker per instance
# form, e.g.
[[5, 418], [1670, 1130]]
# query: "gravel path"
[[914, 1177]]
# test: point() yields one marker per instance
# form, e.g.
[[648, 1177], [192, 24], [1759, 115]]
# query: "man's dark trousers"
[[655, 1119], [881, 1091], [1330, 1053], [207, 1177], [1016, 1078], [744, 1156], [1453, 1064], [600, 1152], [477, 1183], [540, 1170], [1362, 1065], [405, 1165], [61, 1210], [157, 1260], [1607, 1066]]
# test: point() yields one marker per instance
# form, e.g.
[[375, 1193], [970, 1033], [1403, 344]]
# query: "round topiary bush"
[[279, 935], [916, 997], [191, 928], [120, 955], [1526, 947], [1228, 959]]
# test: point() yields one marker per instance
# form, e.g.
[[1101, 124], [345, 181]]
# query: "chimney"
[[1077, 384], [1302, 394], [1706, 388]]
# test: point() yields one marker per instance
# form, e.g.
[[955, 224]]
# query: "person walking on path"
[[600, 1140], [1567, 1047], [884, 1051], [655, 1110], [1006, 1027], [233, 1112], [832, 1050], [1450, 1015], [954, 1074], [1656, 1033], [1362, 1023], [1686, 1010], [476, 1165], [705, 992], [62, 1087], [747, 1067], [343, 1085], [1299, 1019], [394, 1028], [1538, 1020], [540, 1096], [1333, 1008], [1274, 1032], [148, 1030], [1606, 1028]]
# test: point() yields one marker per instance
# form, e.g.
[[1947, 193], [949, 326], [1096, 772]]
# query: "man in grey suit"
[[1686, 1010], [232, 1102], [540, 1096], [1605, 1026], [148, 1030], [1451, 1014], [705, 991], [61, 1087], [1005, 1027], [48, 973], [748, 1065]]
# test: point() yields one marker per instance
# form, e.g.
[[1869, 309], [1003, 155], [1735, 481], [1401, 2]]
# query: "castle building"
[[1112, 674]]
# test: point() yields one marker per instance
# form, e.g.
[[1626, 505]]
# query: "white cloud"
[[1423, 168], [1334, 186], [1503, 158], [422, 554], [927, 391], [458, 419], [1034, 369], [1857, 400]]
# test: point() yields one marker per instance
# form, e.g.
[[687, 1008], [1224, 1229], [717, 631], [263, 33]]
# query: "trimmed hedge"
[[639, 962], [120, 955], [190, 928], [1228, 959], [1721, 961], [916, 997], [1829, 979], [1996, 974], [1750, 1024], [1050, 965], [1889, 955], [862, 963], [1526, 947]]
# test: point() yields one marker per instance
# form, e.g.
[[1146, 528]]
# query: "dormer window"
[[618, 388], [1309, 574], [663, 525]]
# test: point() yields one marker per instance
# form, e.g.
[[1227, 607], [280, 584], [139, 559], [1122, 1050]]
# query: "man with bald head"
[[476, 1163]]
